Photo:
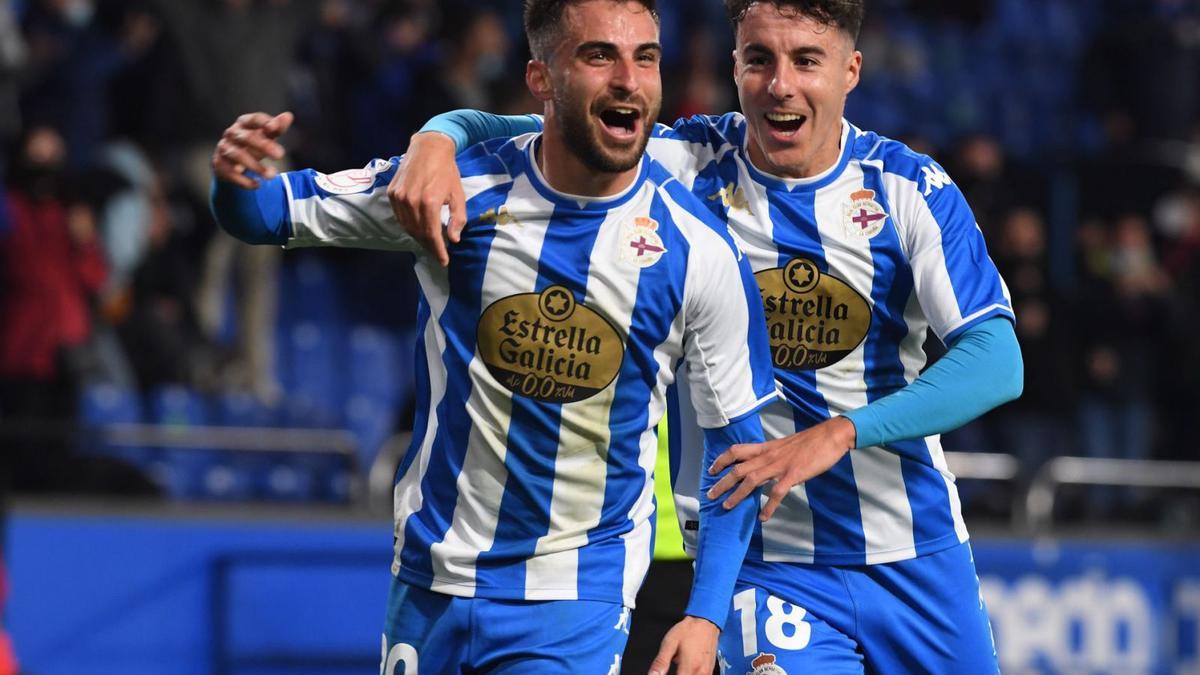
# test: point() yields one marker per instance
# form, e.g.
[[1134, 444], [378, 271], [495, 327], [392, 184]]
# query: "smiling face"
[[793, 74], [601, 83]]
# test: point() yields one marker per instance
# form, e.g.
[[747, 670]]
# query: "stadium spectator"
[[74, 58], [1122, 315], [1039, 425], [51, 267]]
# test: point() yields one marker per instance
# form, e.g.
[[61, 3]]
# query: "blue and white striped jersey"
[[547, 348], [854, 266]]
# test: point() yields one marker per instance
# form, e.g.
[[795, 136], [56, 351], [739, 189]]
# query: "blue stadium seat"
[[375, 363], [240, 409], [288, 478], [312, 379], [105, 404], [372, 421], [180, 471], [174, 405]]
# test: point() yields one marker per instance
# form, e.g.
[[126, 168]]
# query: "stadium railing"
[[1037, 512]]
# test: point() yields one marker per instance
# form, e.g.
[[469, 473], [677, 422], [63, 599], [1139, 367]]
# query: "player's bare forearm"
[[788, 461], [691, 645], [244, 146], [426, 180]]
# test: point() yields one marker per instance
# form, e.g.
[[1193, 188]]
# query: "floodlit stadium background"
[[200, 436]]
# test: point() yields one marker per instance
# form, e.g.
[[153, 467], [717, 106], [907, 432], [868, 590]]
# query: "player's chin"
[[620, 154]]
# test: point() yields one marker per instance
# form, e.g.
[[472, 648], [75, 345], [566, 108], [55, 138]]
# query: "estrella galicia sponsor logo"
[[814, 320], [549, 347]]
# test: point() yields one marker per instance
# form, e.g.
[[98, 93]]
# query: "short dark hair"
[[543, 19], [847, 15]]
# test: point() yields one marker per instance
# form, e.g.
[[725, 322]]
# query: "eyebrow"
[[608, 46], [756, 48]]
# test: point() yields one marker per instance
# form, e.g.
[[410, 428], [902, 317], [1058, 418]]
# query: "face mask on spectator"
[[78, 13]]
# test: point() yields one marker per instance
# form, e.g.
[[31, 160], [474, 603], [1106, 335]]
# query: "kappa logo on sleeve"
[[935, 179]]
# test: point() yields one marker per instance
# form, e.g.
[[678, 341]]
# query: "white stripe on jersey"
[[406, 496], [581, 467], [887, 522], [781, 536], [481, 482], [923, 248]]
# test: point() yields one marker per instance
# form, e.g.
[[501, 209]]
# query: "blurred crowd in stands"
[[1072, 127]]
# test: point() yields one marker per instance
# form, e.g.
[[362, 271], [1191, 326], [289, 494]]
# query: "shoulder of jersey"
[[493, 156], [714, 130], [895, 157]]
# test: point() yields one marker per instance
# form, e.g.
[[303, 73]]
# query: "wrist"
[[701, 622], [844, 431], [432, 136]]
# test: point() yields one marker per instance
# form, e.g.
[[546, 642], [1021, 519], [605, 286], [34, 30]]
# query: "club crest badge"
[[640, 244], [863, 216], [764, 664]]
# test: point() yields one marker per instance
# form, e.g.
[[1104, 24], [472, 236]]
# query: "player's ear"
[[537, 78], [854, 70]]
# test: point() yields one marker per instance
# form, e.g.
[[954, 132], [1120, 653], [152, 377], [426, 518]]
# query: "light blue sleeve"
[[724, 534], [981, 370], [468, 127], [254, 216]]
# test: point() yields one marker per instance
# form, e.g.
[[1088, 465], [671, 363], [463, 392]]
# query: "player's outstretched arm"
[[248, 198], [981, 370], [428, 177]]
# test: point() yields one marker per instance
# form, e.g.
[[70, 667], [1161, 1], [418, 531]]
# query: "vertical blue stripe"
[[658, 301], [674, 431], [832, 496], [438, 487], [533, 430], [891, 289], [421, 377]]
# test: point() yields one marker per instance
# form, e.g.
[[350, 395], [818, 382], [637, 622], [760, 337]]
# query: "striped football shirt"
[[854, 266], [546, 350]]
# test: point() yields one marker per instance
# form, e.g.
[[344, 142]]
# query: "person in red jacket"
[[50, 267]]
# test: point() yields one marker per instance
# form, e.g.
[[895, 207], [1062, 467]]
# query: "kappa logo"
[[500, 217], [764, 664], [935, 179], [640, 244], [732, 197], [862, 216], [623, 621]]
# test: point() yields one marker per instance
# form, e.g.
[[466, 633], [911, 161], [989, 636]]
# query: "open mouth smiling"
[[785, 124], [622, 122]]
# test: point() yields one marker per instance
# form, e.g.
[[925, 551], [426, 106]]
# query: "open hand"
[[788, 461], [246, 143]]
